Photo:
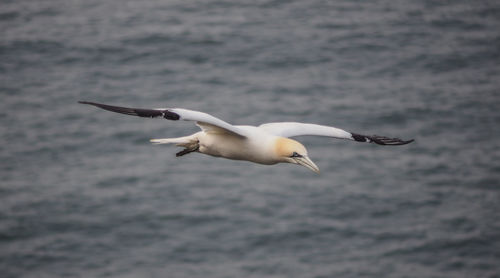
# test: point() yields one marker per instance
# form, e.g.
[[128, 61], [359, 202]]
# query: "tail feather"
[[186, 141], [166, 141]]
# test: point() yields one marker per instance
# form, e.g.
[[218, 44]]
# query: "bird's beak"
[[307, 162]]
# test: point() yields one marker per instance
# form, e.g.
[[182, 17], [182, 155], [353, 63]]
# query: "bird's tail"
[[190, 143], [179, 141], [163, 141]]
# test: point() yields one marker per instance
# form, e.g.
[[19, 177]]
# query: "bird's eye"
[[295, 154]]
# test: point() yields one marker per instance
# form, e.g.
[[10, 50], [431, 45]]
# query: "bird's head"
[[291, 151]]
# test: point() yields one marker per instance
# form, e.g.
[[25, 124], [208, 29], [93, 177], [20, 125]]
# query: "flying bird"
[[267, 144]]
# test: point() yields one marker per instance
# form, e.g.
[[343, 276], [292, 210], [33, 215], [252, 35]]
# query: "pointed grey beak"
[[306, 162]]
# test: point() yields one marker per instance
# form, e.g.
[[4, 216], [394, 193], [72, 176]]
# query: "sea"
[[83, 193]]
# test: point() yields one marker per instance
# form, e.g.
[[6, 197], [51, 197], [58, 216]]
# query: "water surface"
[[84, 194]]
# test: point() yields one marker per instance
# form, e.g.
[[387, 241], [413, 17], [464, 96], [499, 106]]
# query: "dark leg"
[[186, 151]]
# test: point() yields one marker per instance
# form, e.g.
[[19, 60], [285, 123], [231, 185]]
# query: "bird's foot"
[[187, 150]]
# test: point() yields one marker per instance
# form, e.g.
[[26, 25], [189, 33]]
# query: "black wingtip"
[[386, 141], [88, 102], [380, 140], [146, 113], [125, 110], [409, 141]]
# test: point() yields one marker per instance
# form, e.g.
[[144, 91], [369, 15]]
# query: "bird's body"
[[265, 144], [255, 148], [258, 147]]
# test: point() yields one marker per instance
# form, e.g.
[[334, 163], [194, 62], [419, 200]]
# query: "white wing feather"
[[291, 129], [203, 118]]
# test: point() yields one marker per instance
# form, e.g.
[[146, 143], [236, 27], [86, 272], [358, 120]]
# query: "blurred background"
[[84, 194]]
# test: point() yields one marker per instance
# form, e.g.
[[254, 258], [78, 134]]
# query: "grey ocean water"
[[84, 194]]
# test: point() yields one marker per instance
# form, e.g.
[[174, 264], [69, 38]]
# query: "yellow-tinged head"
[[291, 151]]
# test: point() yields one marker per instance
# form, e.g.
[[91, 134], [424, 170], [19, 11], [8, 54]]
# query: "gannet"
[[267, 143]]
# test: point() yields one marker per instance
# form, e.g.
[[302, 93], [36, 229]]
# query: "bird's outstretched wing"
[[204, 120], [292, 129]]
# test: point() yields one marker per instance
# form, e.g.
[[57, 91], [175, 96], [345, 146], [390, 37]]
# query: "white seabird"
[[265, 144]]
